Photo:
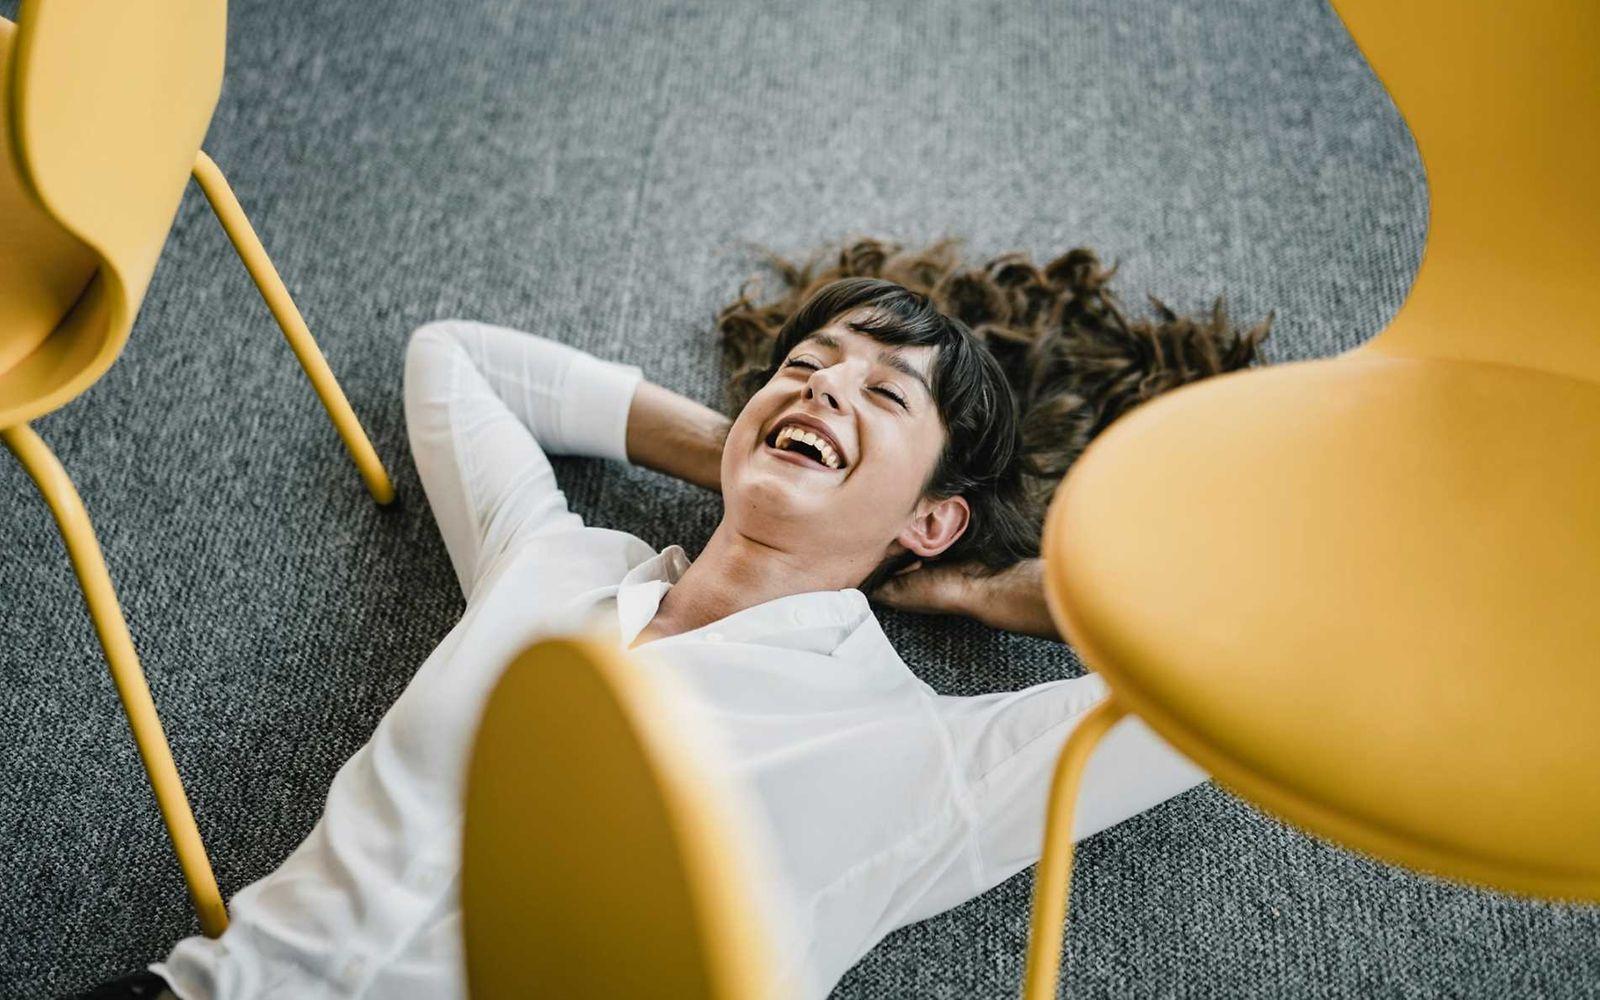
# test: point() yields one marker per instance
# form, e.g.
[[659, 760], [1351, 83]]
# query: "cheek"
[[739, 436], [911, 451], [739, 449], [888, 485]]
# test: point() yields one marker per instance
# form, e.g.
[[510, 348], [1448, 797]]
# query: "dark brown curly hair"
[[1072, 359]]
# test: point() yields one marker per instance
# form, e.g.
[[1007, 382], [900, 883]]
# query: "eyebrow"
[[885, 356]]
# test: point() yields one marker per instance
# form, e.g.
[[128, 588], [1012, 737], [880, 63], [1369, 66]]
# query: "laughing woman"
[[894, 414]]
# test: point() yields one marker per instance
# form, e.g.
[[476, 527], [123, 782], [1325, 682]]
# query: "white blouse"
[[884, 802]]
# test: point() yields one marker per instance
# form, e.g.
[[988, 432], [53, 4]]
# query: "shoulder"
[[554, 565]]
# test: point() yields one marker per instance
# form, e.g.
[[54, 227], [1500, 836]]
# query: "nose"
[[812, 392], [824, 385]]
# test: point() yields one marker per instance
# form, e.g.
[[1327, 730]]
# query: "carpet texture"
[[587, 170]]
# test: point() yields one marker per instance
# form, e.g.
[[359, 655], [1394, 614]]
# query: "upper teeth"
[[816, 441]]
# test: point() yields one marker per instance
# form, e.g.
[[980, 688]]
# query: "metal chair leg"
[[1052, 879], [89, 564], [237, 226]]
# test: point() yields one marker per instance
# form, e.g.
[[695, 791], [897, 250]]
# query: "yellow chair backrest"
[[108, 151], [105, 108], [1506, 98], [601, 857], [43, 268]]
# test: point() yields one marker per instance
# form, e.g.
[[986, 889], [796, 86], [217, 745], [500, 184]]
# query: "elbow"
[[432, 346], [432, 350], [426, 337]]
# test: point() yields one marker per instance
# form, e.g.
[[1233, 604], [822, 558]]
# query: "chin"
[[760, 495]]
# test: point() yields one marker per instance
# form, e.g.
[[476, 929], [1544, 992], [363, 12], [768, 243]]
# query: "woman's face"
[[873, 403]]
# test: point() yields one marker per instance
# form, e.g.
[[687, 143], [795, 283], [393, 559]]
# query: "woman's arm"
[[1010, 743], [676, 435], [484, 406], [1012, 599]]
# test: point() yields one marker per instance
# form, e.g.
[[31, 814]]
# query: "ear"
[[935, 525]]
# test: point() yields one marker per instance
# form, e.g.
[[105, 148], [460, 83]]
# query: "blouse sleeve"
[[1009, 742], [484, 405]]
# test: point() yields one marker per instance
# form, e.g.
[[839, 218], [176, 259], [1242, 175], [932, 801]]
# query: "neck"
[[735, 572]]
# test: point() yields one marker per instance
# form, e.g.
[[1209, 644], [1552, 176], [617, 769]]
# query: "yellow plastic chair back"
[[1503, 101], [43, 269], [602, 858], [96, 165]]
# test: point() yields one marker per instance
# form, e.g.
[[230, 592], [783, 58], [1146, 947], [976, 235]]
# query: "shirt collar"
[[641, 590]]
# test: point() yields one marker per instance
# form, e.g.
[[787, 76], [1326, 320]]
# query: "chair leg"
[[1053, 877], [248, 245], [87, 562]]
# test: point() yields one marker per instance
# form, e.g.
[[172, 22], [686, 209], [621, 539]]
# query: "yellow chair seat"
[[1344, 587], [67, 358], [43, 269]]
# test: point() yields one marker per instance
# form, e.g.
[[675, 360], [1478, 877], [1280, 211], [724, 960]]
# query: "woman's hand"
[[1012, 599]]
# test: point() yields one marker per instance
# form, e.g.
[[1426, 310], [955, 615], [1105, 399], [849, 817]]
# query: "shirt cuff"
[[594, 412]]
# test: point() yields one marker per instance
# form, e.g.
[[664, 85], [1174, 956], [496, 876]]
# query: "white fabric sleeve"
[[484, 406], [1008, 744]]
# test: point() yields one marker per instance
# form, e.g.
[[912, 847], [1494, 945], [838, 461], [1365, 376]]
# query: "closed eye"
[[809, 366], [892, 395]]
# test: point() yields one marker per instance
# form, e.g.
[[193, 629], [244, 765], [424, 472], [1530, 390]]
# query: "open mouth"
[[801, 447]]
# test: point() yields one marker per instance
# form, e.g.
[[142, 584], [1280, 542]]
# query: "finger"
[[893, 590], [908, 592]]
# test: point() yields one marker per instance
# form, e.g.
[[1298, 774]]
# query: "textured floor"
[[586, 170]]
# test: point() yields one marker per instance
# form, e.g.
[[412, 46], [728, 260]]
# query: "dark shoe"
[[139, 986]]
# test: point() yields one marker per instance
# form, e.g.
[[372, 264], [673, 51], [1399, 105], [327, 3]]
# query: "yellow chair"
[[104, 106], [1364, 592], [601, 857]]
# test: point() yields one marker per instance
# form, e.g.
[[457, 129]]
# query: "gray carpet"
[[586, 170]]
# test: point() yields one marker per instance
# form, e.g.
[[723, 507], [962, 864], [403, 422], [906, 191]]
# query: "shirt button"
[[713, 637], [352, 971]]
